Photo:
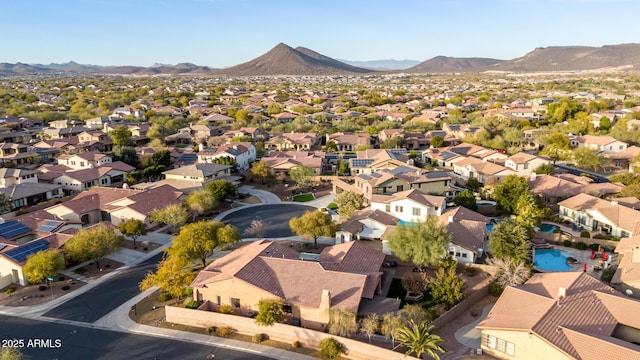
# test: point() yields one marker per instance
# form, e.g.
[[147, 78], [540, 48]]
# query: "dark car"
[[390, 264]]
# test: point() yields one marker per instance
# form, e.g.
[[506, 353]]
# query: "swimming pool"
[[551, 260], [548, 227]]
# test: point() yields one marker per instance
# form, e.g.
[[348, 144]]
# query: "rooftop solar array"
[[188, 158], [13, 228], [398, 151], [360, 162], [22, 252], [49, 226]]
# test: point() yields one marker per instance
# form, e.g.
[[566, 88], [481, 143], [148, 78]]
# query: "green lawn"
[[303, 197], [332, 206]]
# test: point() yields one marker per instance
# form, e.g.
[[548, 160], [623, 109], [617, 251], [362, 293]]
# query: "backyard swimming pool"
[[551, 260], [548, 227]]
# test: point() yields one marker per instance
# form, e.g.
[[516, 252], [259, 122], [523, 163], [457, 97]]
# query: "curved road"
[[276, 215]]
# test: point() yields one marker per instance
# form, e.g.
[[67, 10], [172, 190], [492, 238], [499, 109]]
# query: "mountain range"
[[284, 60]]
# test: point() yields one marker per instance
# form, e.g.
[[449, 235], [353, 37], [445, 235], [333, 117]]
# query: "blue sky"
[[221, 33]]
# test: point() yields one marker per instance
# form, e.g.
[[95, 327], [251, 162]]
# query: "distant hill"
[[568, 58], [74, 67], [284, 60], [22, 69], [383, 65], [440, 64]]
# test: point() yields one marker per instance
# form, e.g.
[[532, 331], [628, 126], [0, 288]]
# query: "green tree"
[[43, 264], [556, 146], [605, 124], [330, 146], [343, 168], [348, 202], [466, 199], [92, 243], [420, 338], [369, 325], [10, 353], [120, 136], [126, 155], [161, 158], [172, 276], [527, 211], [173, 215], [509, 190], [200, 201], [133, 228], [301, 175], [390, 327], [312, 225], [5, 203], [509, 239], [262, 171], [330, 348], [198, 241], [413, 312], [447, 287], [342, 322], [513, 135], [221, 189], [437, 141], [424, 244], [586, 158], [546, 169], [270, 311]]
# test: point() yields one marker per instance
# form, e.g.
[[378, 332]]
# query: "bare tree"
[[510, 272], [258, 228]]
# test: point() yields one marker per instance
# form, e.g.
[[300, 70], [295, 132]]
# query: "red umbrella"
[[585, 267]]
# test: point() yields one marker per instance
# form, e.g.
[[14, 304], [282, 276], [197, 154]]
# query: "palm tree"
[[510, 272], [419, 338]]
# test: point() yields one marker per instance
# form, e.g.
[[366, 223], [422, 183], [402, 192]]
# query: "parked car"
[[390, 264]]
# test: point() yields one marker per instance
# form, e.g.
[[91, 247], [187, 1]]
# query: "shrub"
[[607, 275], [470, 271], [61, 278], [331, 348], [210, 329], [495, 289], [188, 292], [42, 288], [192, 304], [258, 338], [65, 288], [594, 247], [224, 331], [164, 297], [295, 344], [581, 246], [332, 206], [585, 234], [226, 309], [473, 313], [566, 243], [10, 290]]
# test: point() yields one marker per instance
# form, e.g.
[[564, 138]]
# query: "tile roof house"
[[349, 142], [190, 178], [283, 161], [85, 160], [365, 224], [551, 189], [524, 164], [243, 153], [109, 174], [410, 205], [604, 144], [339, 277], [484, 172], [292, 141], [628, 271], [468, 231], [592, 213], [562, 315]]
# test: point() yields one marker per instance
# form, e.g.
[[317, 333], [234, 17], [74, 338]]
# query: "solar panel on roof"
[[48, 226], [22, 252], [12, 229]]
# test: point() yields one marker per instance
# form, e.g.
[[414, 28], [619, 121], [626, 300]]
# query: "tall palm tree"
[[419, 338]]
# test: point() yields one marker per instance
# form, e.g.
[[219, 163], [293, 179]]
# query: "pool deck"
[[584, 257]]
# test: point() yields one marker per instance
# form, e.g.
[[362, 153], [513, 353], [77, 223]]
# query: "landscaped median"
[[279, 332], [303, 197]]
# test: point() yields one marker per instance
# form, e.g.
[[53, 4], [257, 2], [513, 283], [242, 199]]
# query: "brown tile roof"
[[521, 158], [554, 186], [577, 324], [412, 194], [467, 227]]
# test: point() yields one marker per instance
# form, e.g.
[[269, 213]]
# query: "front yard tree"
[[260, 170], [301, 175], [221, 189], [391, 325], [312, 225], [172, 276], [133, 228], [342, 322], [424, 244], [527, 211], [343, 168], [419, 338], [586, 158], [198, 241], [447, 287], [556, 146], [348, 202], [509, 190], [173, 215], [120, 136], [43, 264], [369, 325], [466, 199], [510, 240], [270, 311], [257, 228], [200, 201], [510, 273], [437, 141], [93, 243]]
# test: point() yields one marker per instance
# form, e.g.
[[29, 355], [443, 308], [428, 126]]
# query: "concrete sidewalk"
[[265, 197]]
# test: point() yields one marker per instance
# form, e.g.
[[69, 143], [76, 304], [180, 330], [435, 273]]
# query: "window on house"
[[287, 309], [464, 255], [491, 341], [82, 163], [457, 254], [235, 303], [416, 211], [399, 209], [399, 188], [451, 253], [387, 208]]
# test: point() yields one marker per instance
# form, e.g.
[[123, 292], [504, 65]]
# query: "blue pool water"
[[551, 260], [548, 227], [406, 223]]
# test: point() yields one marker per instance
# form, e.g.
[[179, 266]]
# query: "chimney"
[[325, 305], [450, 219], [562, 293], [532, 177], [202, 146]]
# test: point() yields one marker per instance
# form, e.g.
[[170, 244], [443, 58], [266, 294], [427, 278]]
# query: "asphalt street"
[[49, 340], [276, 216], [101, 300]]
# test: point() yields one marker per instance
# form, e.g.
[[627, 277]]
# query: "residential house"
[[524, 164], [219, 119], [340, 277], [595, 214], [562, 315], [372, 160], [23, 189], [100, 204], [193, 177], [242, 153], [349, 142], [550, 189], [628, 271], [292, 141], [365, 224], [283, 161], [469, 233], [284, 117], [9, 176], [624, 158], [409, 206], [484, 172], [86, 160], [66, 132], [604, 144], [112, 174], [412, 141], [17, 155]]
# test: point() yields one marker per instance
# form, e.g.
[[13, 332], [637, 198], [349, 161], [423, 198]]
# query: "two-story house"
[[524, 164], [242, 153], [86, 160]]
